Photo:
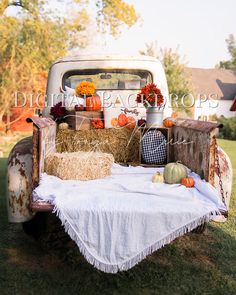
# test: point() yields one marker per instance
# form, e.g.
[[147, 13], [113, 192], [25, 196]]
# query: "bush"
[[229, 129]]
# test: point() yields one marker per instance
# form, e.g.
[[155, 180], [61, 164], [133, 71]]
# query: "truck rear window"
[[109, 79]]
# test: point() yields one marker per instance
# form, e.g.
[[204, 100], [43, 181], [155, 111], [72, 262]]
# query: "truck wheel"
[[46, 228], [200, 229]]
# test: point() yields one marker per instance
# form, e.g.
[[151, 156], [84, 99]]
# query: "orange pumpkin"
[[131, 123], [114, 122], [188, 182], [93, 103], [168, 123], [122, 120], [174, 115], [97, 124]]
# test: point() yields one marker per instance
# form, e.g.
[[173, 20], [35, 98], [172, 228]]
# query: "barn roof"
[[220, 82]]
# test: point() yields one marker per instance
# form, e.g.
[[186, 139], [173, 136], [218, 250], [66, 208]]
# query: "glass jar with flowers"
[[151, 97], [86, 90]]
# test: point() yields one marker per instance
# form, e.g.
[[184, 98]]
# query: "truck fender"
[[19, 182], [227, 179]]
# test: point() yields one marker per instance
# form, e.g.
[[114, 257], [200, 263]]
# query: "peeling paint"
[[19, 181], [226, 176]]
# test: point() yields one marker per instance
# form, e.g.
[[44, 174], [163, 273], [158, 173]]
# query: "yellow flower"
[[85, 88]]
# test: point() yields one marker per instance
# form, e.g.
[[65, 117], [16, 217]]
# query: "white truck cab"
[[114, 76]]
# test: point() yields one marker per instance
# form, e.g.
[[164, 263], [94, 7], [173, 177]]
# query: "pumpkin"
[[122, 120], [131, 123], [93, 103], [168, 123], [188, 181], [97, 123], [174, 115], [157, 177], [63, 126], [174, 172], [114, 122]]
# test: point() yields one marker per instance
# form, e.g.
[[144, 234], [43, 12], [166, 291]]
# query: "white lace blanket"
[[117, 221]]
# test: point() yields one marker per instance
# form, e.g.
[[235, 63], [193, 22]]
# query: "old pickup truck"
[[26, 160]]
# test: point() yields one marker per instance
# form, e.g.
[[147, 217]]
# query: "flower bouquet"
[[151, 97], [86, 90], [58, 112]]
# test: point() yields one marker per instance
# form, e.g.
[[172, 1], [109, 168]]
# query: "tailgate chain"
[[217, 166]]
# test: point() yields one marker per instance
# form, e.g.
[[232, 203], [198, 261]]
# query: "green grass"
[[193, 264]]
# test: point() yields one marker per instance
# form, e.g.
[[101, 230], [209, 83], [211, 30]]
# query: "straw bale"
[[79, 165], [122, 143]]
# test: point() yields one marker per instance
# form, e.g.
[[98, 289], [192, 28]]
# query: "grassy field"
[[193, 264]]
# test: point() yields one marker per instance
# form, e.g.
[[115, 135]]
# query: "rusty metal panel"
[[44, 143], [19, 181], [42, 207], [35, 156], [194, 145], [202, 126], [192, 148], [41, 122], [212, 156], [226, 173], [47, 144]]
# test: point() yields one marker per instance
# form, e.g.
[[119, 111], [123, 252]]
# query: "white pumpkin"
[[63, 126], [157, 178]]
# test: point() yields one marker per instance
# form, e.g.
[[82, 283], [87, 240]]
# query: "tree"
[[28, 46], [35, 37], [178, 80], [231, 46], [112, 14]]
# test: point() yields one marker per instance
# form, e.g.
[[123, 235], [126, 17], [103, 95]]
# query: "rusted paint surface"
[[19, 181], [192, 148], [46, 144], [41, 122], [41, 207], [25, 164], [203, 126], [197, 150], [211, 177], [226, 176], [35, 157]]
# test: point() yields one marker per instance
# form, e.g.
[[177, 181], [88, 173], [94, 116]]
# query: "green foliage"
[[231, 46], [28, 47], [178, 81], [113, 13], [229, 129], [35, 37]]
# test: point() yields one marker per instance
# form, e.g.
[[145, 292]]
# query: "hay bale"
[[79, 165], [122, 143]]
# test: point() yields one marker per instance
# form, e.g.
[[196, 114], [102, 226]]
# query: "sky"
[[198, 28]]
